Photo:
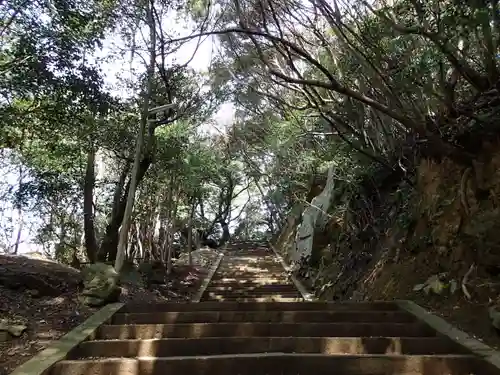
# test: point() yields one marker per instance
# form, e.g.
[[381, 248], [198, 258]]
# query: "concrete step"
[[237, 288], [232, 345], [215, 287], [195, 330], [254, 281], [259, 292], [249, 293], [263, 316], [248, 278], [249, 273], [277, 364], [271, 298], [269, 306]]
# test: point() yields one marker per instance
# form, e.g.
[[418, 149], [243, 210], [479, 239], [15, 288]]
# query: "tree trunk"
[[110, 239], [139, 243], [109, 244], [88, 207], [197, 240], [122, 242], [269, 205], [19, 232], [226, 235], [171, 228], [19, 215], [190, 232], [171, 231]]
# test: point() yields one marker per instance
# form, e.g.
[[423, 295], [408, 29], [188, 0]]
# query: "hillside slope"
[[436, 242], [42, 297]]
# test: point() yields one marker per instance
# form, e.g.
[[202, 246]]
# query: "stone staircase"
[[251, 273], [251, 321]]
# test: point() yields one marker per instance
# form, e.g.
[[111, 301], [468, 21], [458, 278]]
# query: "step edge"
[[416, 323], [328, 312], [306, 295], [272, 354], [197, 297], [261, 338]]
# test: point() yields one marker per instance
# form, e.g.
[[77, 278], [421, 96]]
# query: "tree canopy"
[[360, 85]]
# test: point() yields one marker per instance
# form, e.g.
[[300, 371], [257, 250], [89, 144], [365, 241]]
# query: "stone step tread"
[[248, 279], [232, 345], [252, 295], [233, 287], [262, 316], [260, 306], [288, 288], [277, 363], [150, 331], [249, 274], [249, 284], [271, 298], [254, 281]]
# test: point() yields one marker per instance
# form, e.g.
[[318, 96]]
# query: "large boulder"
[[314, 220], [101, 285]]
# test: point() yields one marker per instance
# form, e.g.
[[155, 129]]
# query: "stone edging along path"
[[210, 275], [301, 288], [480, 349], [59, 349]]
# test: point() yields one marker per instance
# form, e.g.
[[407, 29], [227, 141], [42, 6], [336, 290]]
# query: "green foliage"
[[350, 89]]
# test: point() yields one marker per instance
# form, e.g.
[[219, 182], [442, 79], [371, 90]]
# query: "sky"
[[120, 66], [200, 63]]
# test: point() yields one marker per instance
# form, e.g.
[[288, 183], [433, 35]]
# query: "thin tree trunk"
[[122, 242], [19, 232], [171, 230], [268, 204], [197, 240], [88, 207], [166, 253], [139, 244], [190, 232], [19, 215]]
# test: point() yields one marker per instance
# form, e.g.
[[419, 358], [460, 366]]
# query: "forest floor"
[[48, 317]]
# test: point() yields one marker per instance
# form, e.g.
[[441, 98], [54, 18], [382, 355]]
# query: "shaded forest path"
[[251, 272], [251, 321]]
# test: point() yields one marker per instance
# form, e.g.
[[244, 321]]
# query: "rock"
[[8, 329], [314, 217], [101, 285], [17, 330], [494, 314], [435, 285]]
